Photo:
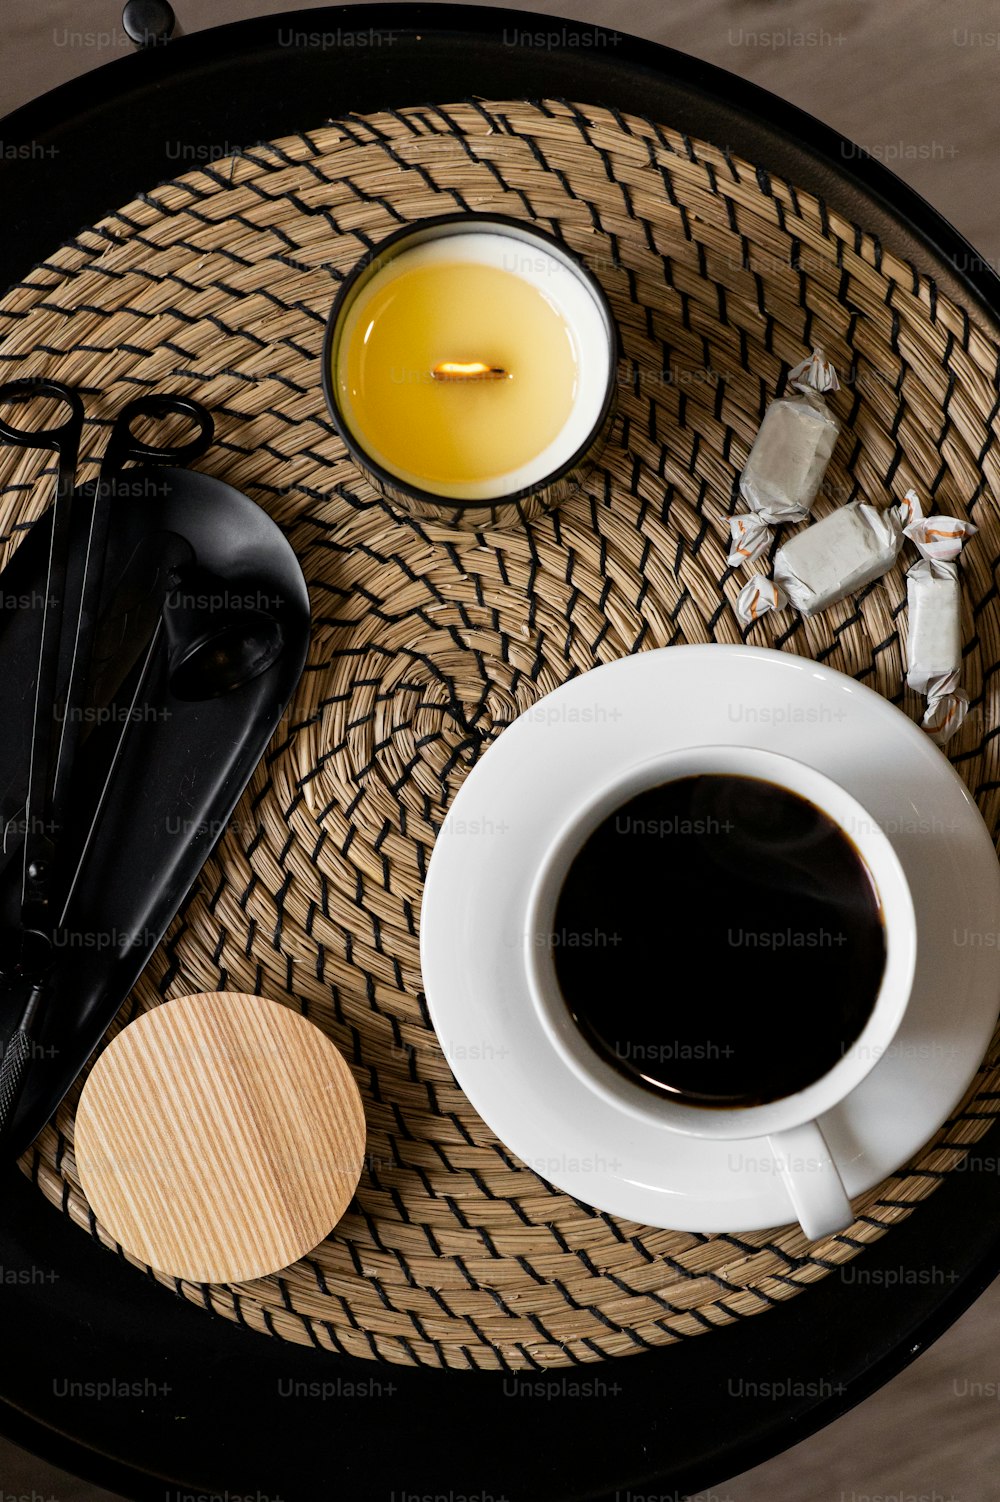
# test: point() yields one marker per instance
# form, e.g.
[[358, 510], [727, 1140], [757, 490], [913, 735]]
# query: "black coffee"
[[719, 938]]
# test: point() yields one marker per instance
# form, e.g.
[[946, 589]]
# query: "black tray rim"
[[887, 1325], [805, 136]]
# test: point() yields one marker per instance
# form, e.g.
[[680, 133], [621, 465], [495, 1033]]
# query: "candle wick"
[[475, 370]]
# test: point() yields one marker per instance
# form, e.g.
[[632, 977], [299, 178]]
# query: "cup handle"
[[812, 1179]]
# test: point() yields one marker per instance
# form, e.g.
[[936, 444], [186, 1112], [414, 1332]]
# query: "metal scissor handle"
[[124, 447], [64, 439]]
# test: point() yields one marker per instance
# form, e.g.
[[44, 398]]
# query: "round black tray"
[[202, 1405]]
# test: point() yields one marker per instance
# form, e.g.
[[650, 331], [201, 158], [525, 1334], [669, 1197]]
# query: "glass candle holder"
[[470, 367]]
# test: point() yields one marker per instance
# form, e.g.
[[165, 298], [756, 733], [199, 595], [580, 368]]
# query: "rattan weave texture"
[[427, 642]]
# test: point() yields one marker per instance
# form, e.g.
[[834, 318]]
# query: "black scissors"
[[66, 651]]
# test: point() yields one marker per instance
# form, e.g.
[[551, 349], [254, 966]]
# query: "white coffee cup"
[[791, 1125]]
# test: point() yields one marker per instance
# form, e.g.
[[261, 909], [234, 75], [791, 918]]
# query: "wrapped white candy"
[[793, 446], [831, 559], [934, 635], [842, 553]]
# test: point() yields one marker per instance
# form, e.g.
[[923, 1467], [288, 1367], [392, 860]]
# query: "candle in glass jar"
[[473, 363]]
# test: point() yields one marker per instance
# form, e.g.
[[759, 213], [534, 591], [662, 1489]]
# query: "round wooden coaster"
[[220, 1137]]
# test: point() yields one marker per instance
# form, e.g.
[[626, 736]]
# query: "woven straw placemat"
[[428, 642]]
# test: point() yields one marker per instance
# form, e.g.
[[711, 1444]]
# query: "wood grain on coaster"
[[220, 1137]]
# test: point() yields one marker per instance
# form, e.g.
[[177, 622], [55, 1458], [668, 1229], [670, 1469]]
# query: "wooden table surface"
[[916, 83]]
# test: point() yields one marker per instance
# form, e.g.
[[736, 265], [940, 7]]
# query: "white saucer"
[[552, 759]]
